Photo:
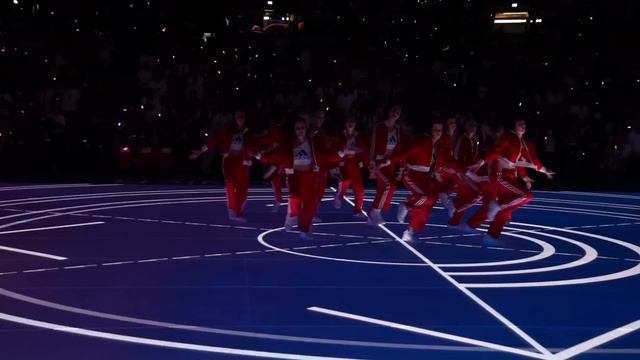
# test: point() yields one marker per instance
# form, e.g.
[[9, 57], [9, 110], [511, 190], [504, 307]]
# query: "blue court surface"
[[159, 272]]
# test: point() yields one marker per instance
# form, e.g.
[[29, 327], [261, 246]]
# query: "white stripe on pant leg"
[[415, 188], [513, 203], [385, 193], [468, 205], [421, 201], [522, 198], [510, 187]]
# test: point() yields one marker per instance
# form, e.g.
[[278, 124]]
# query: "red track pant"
[[511, 196], [303, 196], [351, 177], [468, 194], [323, 174], [385, 188], [424, 193], [488, 193], [276, 184], [236, 176]]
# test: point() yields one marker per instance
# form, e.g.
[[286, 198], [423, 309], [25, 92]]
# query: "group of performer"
[[431, 166]]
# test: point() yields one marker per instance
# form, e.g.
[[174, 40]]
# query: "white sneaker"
[[402, 212], [276, 206], [240, 219], [407, 235], [290, 222], [448, 204], [375, 217], [337, 201], [494, 208], [316, 219]]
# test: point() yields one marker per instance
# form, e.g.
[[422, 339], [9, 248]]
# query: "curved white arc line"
[[539, 208], [547, 251], [488, 308], [633, 271], [195, 328], [590, 254], [266, 244], [609, 277], [587, 203], [569, 209], [156, 342], [583, 193]]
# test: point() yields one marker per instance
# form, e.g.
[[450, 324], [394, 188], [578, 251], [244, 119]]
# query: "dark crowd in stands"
[[126, 89]]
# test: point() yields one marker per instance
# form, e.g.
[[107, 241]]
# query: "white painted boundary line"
[[209, 330], [155, 342], [597, 341], [437, 334], [32, 253], [465, 291], [51, 227], [53, 186]]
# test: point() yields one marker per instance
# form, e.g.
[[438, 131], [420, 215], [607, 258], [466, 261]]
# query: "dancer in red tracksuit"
[[355, 148], [272, 139], [323, 143], [387, 139], [418, 178], [469, 190], [511, 153], [237, 146], [302, 162]]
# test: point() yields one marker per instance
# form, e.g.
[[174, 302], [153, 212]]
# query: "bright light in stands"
[[269, 2], [514, 5], [510, 21]]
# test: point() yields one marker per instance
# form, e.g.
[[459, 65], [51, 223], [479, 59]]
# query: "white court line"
[[597, 341], [51, 227], [441, 335], [32, 253], [155, 342], [38, 270], [587, 203], [565, 210], [465, 291], [590, 254], [117, 263], [208, 330], [53, 186]]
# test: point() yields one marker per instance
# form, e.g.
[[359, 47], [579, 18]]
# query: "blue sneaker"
[[489, 240]]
